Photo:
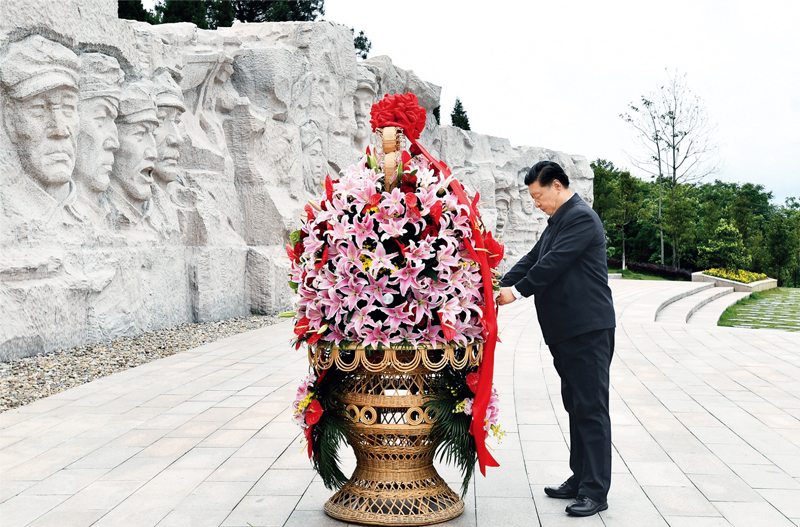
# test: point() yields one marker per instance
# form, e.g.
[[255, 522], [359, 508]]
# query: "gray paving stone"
[[680, 501], [705, 428]]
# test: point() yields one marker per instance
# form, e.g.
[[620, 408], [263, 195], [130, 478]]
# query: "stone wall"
[[151, 175]]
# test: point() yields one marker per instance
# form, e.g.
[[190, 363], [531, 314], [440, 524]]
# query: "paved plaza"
[[706, 430]]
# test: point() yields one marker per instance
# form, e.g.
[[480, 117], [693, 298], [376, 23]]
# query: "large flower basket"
[[395, 482], [394, 274]]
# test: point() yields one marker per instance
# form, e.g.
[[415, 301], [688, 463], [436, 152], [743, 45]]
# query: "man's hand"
[[506, 296]]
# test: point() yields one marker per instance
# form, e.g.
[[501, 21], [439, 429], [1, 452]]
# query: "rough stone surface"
[[150, 175]]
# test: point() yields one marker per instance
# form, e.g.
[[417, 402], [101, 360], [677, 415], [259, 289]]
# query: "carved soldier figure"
[[365, 96], [135, 159], [100, 90], [315, 164], [169, 107], [40, 78]]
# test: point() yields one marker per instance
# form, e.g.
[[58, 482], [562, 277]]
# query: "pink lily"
[[406, 277], [363, 229], [393, 201], [360, 318], [377, 288], [380, 260], [393, 227]]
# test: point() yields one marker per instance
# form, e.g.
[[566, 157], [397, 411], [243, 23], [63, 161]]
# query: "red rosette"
[[401, 110]]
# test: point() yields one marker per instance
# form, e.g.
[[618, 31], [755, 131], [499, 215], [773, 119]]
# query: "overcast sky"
[[557, 74]]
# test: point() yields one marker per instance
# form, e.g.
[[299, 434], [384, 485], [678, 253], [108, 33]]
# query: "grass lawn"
[[777, 308], [627, 274]]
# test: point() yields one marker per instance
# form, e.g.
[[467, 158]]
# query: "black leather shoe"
[[585, 506], [563, 491]]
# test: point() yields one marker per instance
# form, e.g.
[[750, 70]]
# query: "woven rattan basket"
[[394, 482]]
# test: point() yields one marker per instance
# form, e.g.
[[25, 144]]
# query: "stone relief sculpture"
[[100, 90], [366, 96], [40, 116], [166, 171], [315, 166], [132, 175], [151, 175]]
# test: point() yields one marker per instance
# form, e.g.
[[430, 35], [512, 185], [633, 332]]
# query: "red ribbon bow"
[[401, 110]]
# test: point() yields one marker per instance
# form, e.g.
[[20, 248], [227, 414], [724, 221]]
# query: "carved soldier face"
[[135, 159], [316, 159], [502, 214], [97, 142], [363, 104], [168, 139], [44, 130]]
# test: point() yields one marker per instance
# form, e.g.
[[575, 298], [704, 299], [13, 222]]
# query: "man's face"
[[168, 139], [546, 198], [135, 159], [97, 142], [45, 128], [316, 159], [363, 105]]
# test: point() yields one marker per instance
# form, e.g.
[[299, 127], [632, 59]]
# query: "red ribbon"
[[484, 391]]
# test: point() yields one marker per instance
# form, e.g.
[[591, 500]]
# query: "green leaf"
[[294, 237], [294, 286]]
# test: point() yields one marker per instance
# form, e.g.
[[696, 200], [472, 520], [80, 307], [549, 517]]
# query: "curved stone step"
[[640, 301], [680, 311], [709, 314]]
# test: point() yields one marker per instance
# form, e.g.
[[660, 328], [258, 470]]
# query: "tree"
[[205, 14], [278, 11], [679, 219], [627, 206], [134, 10], [725, 249], [646, 120], [436, 112], [361, 43], [780, 243], [674, 128], [604, 188], [458, 117]]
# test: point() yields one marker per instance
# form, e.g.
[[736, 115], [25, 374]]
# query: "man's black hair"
[[545, 172]]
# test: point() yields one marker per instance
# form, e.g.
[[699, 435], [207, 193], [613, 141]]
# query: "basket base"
[[373, 502]]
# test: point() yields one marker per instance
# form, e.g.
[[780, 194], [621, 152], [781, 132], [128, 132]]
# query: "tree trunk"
[[623, 247], [675, 251], [660, 227]]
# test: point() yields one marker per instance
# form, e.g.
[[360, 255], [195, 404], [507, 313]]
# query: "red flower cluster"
[[401, 110]]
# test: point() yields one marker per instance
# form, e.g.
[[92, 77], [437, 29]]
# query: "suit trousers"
[[583, 364]]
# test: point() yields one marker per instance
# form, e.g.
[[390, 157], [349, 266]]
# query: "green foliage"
[[458, 117], [211, 14], [278, 11], [331, 431], [134, 10], [770, 245], [294, 237], [724, 249], [436, 114], [605, 181], [454, 444], [205, 14], [780, 244], [361, 43], [680, 215]]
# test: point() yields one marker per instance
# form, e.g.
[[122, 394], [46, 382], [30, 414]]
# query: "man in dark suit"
[[567, 275]]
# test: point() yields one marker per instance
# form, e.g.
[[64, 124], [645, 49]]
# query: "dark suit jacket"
[[567, 273]]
